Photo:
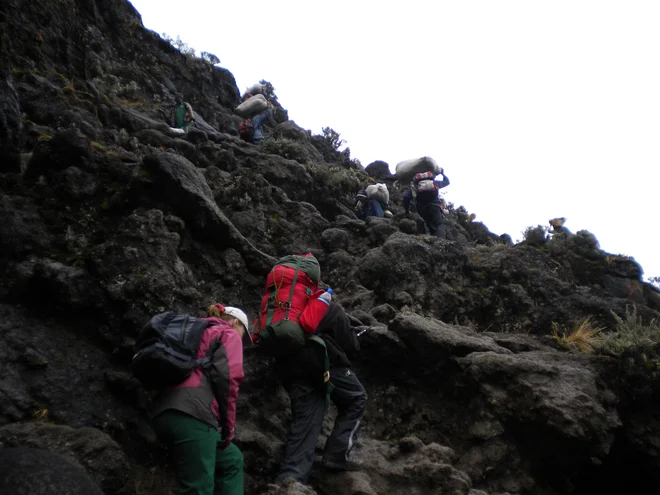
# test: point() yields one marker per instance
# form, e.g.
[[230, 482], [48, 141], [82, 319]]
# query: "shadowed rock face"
[[95, 451], [109, 217], [25, 471]]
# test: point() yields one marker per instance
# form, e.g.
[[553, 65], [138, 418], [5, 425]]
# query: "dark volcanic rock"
[[334, 239], [28, 471], [378, 170], [101, 457], [434, 341], [180, 184], [10, 126], [108, 216], [65, 149]]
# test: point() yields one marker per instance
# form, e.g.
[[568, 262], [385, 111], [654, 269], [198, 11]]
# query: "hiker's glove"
[[230, 437]]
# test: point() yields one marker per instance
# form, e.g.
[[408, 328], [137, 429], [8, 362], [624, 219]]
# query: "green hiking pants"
[[202, 466]]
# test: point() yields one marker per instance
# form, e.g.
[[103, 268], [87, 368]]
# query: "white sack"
[[378, 192], [406, 170], [255, 89], [254, 105]]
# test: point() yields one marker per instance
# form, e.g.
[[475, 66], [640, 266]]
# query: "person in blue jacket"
[[365, 207], [258, 121], [429, 205]]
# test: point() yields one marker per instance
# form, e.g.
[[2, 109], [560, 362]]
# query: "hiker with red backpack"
[[309, 400], [195, 418], [310, 335], [424, 189]]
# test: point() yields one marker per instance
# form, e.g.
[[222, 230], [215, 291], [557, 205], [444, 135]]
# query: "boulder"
[[379, 170], [334, 239], [101, 456], [30, 471], [75, 184], [435, 342], [559, 397], [66, 148], [181, 185]]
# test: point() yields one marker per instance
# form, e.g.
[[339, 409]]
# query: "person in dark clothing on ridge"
[[429, 205], [558, 227], [308, 399]]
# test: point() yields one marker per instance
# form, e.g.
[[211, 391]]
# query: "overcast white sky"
[[536, 109]]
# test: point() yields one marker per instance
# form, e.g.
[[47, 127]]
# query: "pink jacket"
[[211, 395]]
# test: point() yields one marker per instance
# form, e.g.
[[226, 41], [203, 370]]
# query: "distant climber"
[[181, 114], [308, 400], [258, 121], [424, 189], [255, 89], [373, 202], [558, 226], [196, 418]]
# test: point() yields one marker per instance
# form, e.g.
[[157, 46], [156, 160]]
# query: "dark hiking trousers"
[[202, 466], [308, 404], [435, 220]]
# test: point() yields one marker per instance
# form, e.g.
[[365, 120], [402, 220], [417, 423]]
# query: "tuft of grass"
[[583, 337], [40, 415]]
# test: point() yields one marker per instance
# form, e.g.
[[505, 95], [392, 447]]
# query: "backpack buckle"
[[283, 305], [326, 377]]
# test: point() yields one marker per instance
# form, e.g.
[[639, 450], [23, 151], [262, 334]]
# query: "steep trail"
[[109, 218]]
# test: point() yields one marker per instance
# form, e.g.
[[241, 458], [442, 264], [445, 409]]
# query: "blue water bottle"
[[326, 297]]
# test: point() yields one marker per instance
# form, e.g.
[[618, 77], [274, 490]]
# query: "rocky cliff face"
[[108, 218]]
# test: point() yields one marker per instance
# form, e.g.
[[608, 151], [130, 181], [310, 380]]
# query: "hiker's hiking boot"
[[341, 465]]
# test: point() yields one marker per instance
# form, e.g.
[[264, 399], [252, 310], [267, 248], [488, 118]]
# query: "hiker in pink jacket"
[[196, 419]]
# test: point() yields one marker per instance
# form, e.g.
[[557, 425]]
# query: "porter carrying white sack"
[[254, 105], [378, 192], [406, 170]]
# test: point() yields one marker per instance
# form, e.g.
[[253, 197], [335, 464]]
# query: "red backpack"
[[246, 130], [289, 286]]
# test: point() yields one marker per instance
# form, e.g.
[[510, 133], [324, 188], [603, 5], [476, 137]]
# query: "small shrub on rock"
[[287, 148], [535, 236], [328, 144], [342, 183], [631, 332], [635, 345]]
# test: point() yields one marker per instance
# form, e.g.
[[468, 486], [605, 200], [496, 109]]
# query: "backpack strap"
[[293, 288], [329, 387], [270, 303]]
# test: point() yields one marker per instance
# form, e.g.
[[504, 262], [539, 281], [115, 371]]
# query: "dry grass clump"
[[583, 337]]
